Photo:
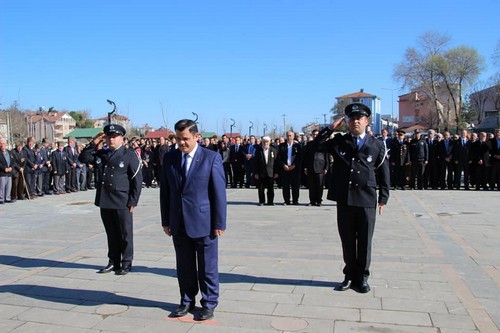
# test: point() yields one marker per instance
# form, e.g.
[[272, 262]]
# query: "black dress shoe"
[[206, 314], [183, 310], [363, 287], [345, 285], [109, 268], [126, 268]]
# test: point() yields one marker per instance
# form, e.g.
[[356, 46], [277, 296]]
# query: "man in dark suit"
[[29, 156], [290, 158], [7, 164], [399, 160], [480, 158], [193, 211], [59, 168], [72, 158], [495, 161], [461, 160], [444, 154], [236, 158], [360, 166], [419, 158], [316, 163], [265, 171], [117, 194], [249, 150], [430, 172]]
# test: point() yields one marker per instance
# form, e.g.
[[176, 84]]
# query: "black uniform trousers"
[[417, 173], [266, 183], [315, 185], [291, 179], [118, 224], [197, 268], [356, 226]]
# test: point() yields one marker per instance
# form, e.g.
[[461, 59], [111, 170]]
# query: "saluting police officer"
[[117, 193], [359, 167]]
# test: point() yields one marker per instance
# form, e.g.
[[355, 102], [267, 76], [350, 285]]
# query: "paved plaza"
[[435, 268]]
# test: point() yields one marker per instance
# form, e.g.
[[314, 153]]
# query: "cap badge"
[[369, 158], [121, 165], [98, 160], [355, 107]]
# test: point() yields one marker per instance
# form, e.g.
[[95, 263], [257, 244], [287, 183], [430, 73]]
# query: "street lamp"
[[392, 108], [250, 129], [264, 130], [231, 127]]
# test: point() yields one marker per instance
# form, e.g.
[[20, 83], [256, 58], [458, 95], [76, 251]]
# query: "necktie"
[[184, 169], [236, 148]]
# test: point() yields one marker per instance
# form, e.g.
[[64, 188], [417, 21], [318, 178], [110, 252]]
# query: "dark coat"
[[419, 151], [263, 169], [120, 174], [4, 164], [20, 162], [400, 155], [29, 156], [358, 174], [59, 162], [296, 154]]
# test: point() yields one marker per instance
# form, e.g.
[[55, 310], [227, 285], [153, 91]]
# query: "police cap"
[[401, 132], [357, 109], [114, 129]]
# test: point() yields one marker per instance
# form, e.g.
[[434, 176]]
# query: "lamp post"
[[264, 130], [231, 127], [392, 108], [250, 129], [284, 123], [196, 115]]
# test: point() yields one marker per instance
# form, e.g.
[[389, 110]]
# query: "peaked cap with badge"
[[357, 109], [114, 129]]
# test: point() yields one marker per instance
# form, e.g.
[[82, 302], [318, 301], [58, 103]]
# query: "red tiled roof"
[[359, 94]]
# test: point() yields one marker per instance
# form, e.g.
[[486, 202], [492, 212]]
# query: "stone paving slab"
[[435, 268]]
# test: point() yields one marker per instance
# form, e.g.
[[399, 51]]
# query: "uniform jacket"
[[120, 175], [262, 168], [399, 153], [4, 164], [357, 174], [59, 162], [201, 203], [419, 151]]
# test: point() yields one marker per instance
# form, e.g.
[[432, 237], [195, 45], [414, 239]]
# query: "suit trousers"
[[5, 188], [17, 188], [315, 185], [118, 224], [356, 226], [266, 183], [291, 179], [197, 268]]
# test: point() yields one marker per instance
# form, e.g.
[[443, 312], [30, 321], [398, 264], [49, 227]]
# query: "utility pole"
[[284, 124]]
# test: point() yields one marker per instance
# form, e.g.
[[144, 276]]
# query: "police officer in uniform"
[[360, 167], [117, 194]]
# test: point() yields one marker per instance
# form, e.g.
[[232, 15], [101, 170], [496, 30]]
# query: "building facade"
[[52, 125], [372, 101]]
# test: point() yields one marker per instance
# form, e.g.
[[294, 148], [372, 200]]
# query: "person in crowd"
[[80, 170], [193, 211], [29, 156], [430, 171], [236, 158], [161, 149], [117, 194], [479, 156], [290, 158], [399, 160], [60, 168], [249, 152], [40, 163], [444, 152], [18, 179], [265, 171], [71, 158], [147, 157], [224, 153], [360, 167], [316, 164], [46, 150], [461, 161], [419, 157], [495, 161], [7, 164]]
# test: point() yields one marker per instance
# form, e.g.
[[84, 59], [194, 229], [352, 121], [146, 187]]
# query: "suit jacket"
[[120, 175], [357, 174], [29, 156], [262, 168], [20, 162], [441, 152], [72, 157], [495, 150], [201, 203], [315, 159], [4, 164], [236, 158], [461, 152], [59, 162], [480, 151], [296, 154]]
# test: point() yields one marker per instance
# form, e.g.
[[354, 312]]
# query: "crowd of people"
[[432, 161]]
